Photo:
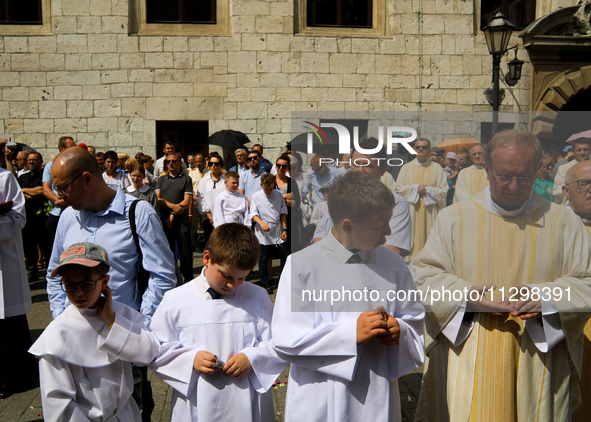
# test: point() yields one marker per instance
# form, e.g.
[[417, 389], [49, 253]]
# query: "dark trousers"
[[181, 232], [52, 221], [19, 367], [35, 231], [271, 252], [207, 228]]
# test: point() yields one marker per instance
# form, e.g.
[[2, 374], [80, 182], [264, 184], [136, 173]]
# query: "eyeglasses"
[[505, 180], [583, 184], [86, 286], [477, 154], [281, 166], [171, 161], [253, 158], [62, 190], [421, 147]]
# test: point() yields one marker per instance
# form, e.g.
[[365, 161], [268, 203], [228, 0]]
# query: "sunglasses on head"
[[171, 161]]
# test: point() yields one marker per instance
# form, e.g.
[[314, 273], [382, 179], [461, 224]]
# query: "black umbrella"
[[25, 147], [300, 143], [228, 139]]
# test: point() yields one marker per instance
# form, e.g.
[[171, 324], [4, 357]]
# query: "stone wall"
[[90, 78]]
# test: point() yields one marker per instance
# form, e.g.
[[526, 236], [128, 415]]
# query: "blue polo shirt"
[[251, 183]]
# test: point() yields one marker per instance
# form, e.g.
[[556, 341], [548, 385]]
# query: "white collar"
[[341, 253], [477, 167], [201, 284], [143, 189], [425, 164], [585, 221], [496, 209]]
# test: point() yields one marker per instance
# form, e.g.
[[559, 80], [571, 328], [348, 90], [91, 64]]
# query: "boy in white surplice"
[[215, 334], [86, 352], [345, 316]]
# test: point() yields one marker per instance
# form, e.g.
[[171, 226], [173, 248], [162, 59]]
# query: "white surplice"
[[84, 367], [15, 297], [269, 209], [188, 321], [230, 207], [332, 378]]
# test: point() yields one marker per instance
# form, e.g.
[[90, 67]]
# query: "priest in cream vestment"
[[577, 191], [582, 148], [423, 184], [498, 360], [473, 179]]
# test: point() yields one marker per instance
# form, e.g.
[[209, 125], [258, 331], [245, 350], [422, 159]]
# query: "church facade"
[[129, 74]]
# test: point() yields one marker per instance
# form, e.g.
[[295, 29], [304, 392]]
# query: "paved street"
[[26, 406]]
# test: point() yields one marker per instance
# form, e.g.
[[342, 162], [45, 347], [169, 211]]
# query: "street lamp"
[[497, 33]]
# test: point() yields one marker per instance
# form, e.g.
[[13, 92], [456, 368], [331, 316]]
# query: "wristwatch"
[[172, 213]]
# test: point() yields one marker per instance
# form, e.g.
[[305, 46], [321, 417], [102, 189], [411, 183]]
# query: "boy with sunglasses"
[[86, 352]]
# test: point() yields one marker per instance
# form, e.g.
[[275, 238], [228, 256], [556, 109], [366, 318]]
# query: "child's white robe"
[[188, 321], [84, 367], [331, 377], [230, 207], [269, 209]]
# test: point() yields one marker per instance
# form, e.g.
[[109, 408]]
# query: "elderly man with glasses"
[[577, 190], [175, 193], [424, 186], [503, 340], [241, 164], [582, 149]]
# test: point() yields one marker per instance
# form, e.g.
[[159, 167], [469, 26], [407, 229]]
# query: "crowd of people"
[[490, 222]]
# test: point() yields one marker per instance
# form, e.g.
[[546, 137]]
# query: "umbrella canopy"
[[300, 143], [456, 145], [586, 134], [228, 139]]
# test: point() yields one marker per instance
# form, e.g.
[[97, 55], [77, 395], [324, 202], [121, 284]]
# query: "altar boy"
[[269, 212], [215, 333], [86, 352], [230, 205], [345, 355]]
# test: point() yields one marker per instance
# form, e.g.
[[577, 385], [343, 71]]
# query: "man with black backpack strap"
[[100, 215]]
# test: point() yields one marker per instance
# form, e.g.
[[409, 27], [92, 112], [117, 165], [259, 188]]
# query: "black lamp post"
[[497, 33]]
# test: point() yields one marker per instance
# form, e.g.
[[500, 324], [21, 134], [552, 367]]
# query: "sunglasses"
[[281, 166], [171, 161], [253, 158], [421, 147], [215, 163]]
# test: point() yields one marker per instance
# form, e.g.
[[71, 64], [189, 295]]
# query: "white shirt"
[[269, 209], [121, 181], [230, 207], [207, 191]]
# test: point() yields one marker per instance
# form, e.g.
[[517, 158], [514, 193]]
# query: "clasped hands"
[[237, 366], [525, 308], [377, 323]]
